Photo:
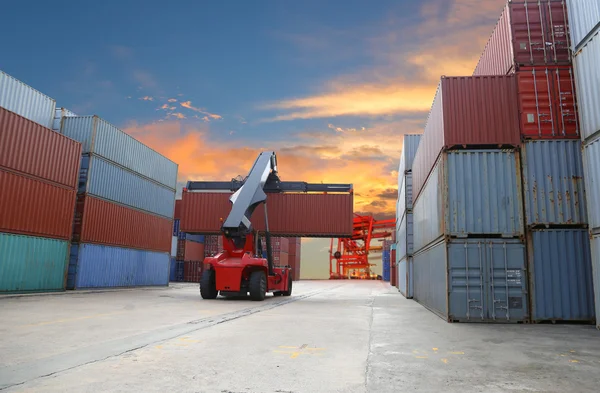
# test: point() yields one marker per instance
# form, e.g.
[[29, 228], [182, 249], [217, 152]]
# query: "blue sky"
[[330, 85]]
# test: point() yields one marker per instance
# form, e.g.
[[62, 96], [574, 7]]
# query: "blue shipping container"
[[561, 275], [99, 137], [386, 271], [186, 236], [473, 280], [176, 270], [97, 266], [106, 180]]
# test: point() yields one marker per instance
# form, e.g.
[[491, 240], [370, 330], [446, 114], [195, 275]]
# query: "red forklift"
[[241, 269]]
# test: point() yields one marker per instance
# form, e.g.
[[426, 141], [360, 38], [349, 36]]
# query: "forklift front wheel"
[[208, 285]]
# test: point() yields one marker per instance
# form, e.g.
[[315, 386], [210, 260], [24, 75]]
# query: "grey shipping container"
[[595, 245], [586, 64], [560, 271], [103, 139], [405, 277], [404, 238], [553, 183], [25, 101], [584, 15], [409, 149], [104, 179], [473, 280], [405, 196], [591, 166], [59, 113], [470, 193]]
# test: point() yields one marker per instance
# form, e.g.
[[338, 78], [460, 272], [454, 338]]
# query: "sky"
[[330, 86]]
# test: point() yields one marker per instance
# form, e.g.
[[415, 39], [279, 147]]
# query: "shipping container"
[[410, 145], [192, 271], [32, 264], [584, 17], [105, 140], [405, 196], [595, 248], [25, 101], [405, 236], [293, 215], [176, 270], [470, 193], [560, 271], [473, 280], [591, 167], [528, 33], [547, 102], [106, 180], [102, 222], [553, 183], [27, 147], [99, 266], [467, 111], [405, 277], [174, 243], [587, 79], [186, 236], [59, 113], [393, 266], [29, 206], [177, 214], [190, 251]]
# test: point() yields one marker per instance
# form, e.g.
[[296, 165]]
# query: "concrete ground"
[[328, 337]]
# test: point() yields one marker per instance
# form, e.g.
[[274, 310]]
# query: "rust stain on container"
[[101, 222], [30, 206], [27, 147], [467, 111], [310, 215]]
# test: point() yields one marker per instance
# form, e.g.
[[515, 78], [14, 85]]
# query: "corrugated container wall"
[[547, 102], [102, 138], [553, 183], [190, 251], [473, 280], [595, 245], [27, 147], [102, 222], [59, 113], [528, 33], [293, 215], [587, 77], [561, 275], [98, 266], [104, 179], [470, 193], [32, 264], [405, 196], [591, 165], [33, 207], [584, 16], [405, 236], [25, 101], [410, 145], [405, 277], [479, 111]]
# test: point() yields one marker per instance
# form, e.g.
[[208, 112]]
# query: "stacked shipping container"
[[38, 182], [187, 252], [124, 212], [404, 217], [585, 28], [295, 256]]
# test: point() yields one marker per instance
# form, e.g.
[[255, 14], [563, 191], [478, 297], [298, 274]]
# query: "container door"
[[567, 123], [466, 297], [556, 31], [506, 281]]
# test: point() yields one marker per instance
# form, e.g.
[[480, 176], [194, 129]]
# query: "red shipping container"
[[30, 206], [316, 215], [547, 103], [192, 271], [393, 273], [190, 251], [101, 222], [177, 213], [528, 33], [478, 111], [27, 147]]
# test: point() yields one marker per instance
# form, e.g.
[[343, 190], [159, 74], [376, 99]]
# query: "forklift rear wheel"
[[258, 285], [208, 285], [289, 291]]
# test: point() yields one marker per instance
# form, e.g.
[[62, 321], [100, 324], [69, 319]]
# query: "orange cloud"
[[208, 115]]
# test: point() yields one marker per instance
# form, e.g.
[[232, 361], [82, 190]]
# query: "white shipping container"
[[409, 149], [584, 15], [586, 64], [25, 101], [591, 170], [59, 113]]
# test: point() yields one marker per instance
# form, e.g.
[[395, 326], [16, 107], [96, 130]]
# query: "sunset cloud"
[[172, 100], [208, 116], [147, 98]]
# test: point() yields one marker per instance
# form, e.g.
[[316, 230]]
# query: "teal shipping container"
[[32, 264]]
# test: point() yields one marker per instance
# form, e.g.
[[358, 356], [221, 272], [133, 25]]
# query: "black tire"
[[208, 285], [289, 291], [258, 286]]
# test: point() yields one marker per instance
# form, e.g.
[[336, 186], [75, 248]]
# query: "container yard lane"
[[330, 336]]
